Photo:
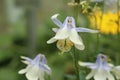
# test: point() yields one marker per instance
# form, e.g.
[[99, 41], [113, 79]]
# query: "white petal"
[[74, 37], [27, 60], [109, 76], [41, 78], [51, 40], [116, 71], [55, 29], [86, 30], [41, 74], [63, 33], [32, 74], [56, 21], [111, 65], [25, 70], [117, 67], [100, 75], [80, 47], [22, 71], [87, 64], [91, 74]]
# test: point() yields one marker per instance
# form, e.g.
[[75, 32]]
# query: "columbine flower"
[[67, 34], [36, 67], [100, 69]]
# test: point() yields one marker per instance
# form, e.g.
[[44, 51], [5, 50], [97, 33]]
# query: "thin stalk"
[[76, 13], [98, 38], [49, 78], [75, 59], [118, 23], [102, 14], [75, 56], [77, 1]]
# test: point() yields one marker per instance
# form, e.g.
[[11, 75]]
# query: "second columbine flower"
[[67, 34], [101, 70]]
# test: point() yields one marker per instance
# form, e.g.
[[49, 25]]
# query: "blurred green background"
[[25, 26]]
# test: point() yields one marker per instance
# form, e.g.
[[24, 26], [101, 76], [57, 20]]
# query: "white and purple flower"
[[101, 70], [67, 34], [36, 67]]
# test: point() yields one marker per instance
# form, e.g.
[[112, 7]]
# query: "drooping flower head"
[[67, 34], [101, 70], [36, 67]]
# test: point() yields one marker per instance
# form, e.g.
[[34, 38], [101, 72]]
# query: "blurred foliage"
[[14, 43]]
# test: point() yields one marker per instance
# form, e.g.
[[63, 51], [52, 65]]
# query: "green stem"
[[98, 38], [118, 24], [76, 12], [102, 13], [77, 1], [49, 77], [75, 58]]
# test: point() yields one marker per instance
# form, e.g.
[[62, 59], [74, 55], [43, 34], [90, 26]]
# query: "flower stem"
[[118, 23], [49, 77], [118, 35], [75, 59], [75, 56], [77, 1]]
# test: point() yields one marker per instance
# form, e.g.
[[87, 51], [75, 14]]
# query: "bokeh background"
[[25, 26]]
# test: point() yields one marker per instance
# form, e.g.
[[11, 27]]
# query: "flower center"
[[70, 23], [64, 45]]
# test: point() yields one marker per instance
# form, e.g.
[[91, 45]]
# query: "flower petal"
[[80, 47], [86, 30], [46, 68], [116, 71], [43, 59], [109, 76], [22, 71], [91, 74], [66, 21], [25, 70], [63, 33], [32, 74], [37, 59], [41, 76], [87, 64], [56, 21], [96, 0], [74, 37], [55, 29], [100, 75], [51, 40], [27, 60]]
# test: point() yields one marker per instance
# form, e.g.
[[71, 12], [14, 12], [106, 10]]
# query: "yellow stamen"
[[64, 45]]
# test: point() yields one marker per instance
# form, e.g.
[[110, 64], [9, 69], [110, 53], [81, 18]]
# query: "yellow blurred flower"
[[106, 22]]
